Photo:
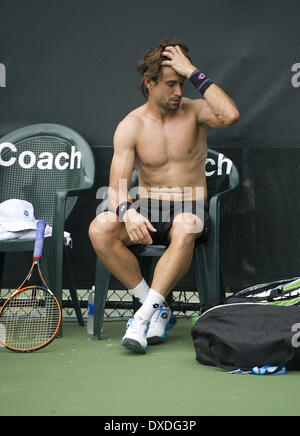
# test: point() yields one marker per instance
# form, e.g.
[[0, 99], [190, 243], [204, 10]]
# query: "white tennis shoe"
[[135, 336], [160, 323]]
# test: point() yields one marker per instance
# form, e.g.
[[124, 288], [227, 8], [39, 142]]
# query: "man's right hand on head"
[[138, 227]]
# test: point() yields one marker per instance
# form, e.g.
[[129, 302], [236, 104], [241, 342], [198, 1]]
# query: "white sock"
[[153, 301], [140, 291]]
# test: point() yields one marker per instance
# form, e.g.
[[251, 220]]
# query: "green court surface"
[[78, 376]]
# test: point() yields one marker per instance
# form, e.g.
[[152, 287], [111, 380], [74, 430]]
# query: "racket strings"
[[30, 319]]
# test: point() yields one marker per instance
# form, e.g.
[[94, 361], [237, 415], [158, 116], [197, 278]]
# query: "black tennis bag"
[[258, 326]]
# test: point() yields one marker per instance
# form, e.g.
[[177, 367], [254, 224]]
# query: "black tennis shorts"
[[161, 214]]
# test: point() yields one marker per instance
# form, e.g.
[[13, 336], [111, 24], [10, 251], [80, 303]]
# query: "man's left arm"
[[217, 109]]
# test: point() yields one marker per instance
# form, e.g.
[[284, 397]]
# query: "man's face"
[[168, 92]]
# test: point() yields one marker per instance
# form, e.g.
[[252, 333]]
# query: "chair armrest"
[[76, 191], [59, 217], [214, 208], [233, 184]]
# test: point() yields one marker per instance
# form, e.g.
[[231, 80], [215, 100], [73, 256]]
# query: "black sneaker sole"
[[155, 340], [133, 345]]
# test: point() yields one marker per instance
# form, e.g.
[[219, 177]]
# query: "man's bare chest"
[[173, 142]]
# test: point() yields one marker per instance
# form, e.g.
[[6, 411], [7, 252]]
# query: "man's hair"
[[151, 67]]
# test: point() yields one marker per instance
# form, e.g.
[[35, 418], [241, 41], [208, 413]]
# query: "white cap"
[[17, 215]]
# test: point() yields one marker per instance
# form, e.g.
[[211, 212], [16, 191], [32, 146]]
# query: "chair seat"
[[12, 245], [152, 250]]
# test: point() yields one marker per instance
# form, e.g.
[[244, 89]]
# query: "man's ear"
[[148, 83]]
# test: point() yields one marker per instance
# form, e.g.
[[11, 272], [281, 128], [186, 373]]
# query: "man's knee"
[[186, 228], [103, 228]]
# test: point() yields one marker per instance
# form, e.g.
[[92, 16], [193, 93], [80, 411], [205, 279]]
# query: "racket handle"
[[39, 241]]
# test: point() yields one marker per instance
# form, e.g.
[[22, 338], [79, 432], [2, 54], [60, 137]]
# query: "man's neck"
[[159, 113]]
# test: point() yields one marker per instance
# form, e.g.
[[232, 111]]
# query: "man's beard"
[[172, 104]]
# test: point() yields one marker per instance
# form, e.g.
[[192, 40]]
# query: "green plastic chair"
[[206, 254], [48, 165]]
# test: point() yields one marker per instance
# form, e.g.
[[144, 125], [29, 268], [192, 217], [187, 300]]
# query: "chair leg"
[[102, 277], [201, 273], [216, 289], [208, 275], [170, 300], [52, 267], [72, 287], [146, 267], [2, 261]]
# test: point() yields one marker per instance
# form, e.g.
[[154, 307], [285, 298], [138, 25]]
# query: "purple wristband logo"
[[201, 76]]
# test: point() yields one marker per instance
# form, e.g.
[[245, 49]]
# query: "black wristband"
[[122, 209], [200, 81]]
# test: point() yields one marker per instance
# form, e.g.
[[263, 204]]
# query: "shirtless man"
[[165, 141]]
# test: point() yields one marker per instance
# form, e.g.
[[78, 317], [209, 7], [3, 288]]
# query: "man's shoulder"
[[192, 104], [128, 128], [133, 119]]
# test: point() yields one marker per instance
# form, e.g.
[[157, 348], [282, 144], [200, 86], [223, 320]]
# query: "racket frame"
[[38, 347]]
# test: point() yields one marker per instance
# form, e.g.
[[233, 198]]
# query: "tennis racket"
[[30, 318]]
